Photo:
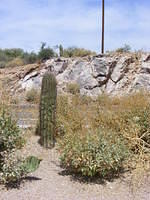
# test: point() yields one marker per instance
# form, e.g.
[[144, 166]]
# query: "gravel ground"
[[50, 183]]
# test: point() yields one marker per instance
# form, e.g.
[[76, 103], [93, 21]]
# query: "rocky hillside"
[[115, 74]]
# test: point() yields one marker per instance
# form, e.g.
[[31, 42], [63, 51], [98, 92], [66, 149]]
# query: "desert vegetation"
[[18, 57], [48, 110], [100, 137], [32, 96], [75, 52], [13, 166]]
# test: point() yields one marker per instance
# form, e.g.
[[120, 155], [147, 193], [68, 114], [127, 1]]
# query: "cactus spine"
[[48, 110]]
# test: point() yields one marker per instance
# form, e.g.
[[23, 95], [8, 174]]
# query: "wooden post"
[[103, 24]]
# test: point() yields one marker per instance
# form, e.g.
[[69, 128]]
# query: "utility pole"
[[103, 24]]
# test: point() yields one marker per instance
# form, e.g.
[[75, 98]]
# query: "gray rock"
[[110, 73]]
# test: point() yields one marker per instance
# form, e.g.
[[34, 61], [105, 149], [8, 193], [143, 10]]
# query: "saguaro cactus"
[[48, 110]]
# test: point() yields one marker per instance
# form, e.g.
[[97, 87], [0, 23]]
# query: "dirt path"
[[49, 183]]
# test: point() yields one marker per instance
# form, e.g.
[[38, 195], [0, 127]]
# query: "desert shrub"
[[10, 139], [126, 48], [2, 64], [10, 136], [12, 168], [129, 116], [32, 95], [3, 56], [13, 53], [3, 59], [126, 117], [29, 58], [93, 153], [46, 52], [73, 88], [16, 62], [77, 52], [16, 57], [143, 120]]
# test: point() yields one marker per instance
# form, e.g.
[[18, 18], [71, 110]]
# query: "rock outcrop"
[[115, 74]]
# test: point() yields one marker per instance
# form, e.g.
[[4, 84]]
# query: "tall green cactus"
[[48, 110]]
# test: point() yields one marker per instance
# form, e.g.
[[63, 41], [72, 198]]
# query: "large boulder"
[[115, 74]]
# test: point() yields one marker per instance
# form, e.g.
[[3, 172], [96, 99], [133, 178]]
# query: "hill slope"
[[110, 73]]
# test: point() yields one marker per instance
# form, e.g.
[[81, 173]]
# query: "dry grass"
[[5, 98], [33, 96], [73, 88], [127, 116]]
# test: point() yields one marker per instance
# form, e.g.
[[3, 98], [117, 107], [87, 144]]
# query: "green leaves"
[[10, 135], [94, 153], [31, 164], [13, 168]]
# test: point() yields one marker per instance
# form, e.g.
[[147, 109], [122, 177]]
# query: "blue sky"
[[26, 23]]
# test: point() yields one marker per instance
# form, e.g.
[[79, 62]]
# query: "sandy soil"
[[50, 182]]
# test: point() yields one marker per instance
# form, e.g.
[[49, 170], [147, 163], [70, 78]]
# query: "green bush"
[[10, 135], [16, 57], [3, 56], [13, 53], [13, 168], [93, 154], [29, 58], [46, 53], [10, 140], [3, 59], [2, 64]]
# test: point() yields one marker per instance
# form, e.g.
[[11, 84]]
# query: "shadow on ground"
[[17, 184], [93, 180]]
